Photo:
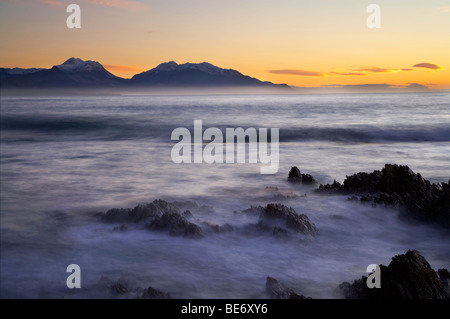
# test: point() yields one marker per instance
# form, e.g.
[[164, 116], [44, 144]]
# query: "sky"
[[322, 43]]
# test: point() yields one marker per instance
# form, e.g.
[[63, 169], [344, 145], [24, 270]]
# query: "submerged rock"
[[296, 176], [408, 276], [276, 290], [398, 185]]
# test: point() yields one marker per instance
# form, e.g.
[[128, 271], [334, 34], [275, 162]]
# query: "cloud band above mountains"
[[359, 71]]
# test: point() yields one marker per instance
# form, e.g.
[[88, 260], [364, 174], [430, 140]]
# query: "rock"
[[444, 276], [177, 225], [219, 228], [293, 221], [116, 215], [296, 176], [158, 215], [330, 188], [399, 186], [280, 233], [254, 210], [152, 210], [408, 276], [281, 221], [276, 290], [187, 214], [152, 293], [122, 227], [119, 288]]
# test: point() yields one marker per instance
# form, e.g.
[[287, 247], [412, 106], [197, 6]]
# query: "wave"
[[369, 134], [132, 128]]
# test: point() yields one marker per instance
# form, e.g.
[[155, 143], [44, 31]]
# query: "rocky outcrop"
[[296, 176], [282, 220], [276, 290], [408, 276], [176, 224], [444, 276], [157, 215], [398, 185]]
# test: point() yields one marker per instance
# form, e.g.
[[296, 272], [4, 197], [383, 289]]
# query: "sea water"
[[64, 159]]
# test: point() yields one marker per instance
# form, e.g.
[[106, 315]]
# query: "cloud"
[[122, 68], [359, 86], [427, 66], [348, 73], [381, 87], [375, 69], [354, 71], [48, 2], [121, 4], [297, 72]]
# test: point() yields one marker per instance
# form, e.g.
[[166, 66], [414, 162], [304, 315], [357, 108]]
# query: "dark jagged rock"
[[119, 287], [444, 276], [152, 210], [408, 276], [177, 225], [298, 223], [398, 185], [157, 215], [116, 215], [276, 290], [329, 188], [255, 210], [296, 176], [280, 220], [152, 293]]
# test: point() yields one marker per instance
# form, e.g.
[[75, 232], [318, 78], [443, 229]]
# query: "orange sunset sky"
[[300, 43]]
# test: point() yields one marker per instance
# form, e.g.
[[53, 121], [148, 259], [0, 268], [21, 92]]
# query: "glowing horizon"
[[298, 43]]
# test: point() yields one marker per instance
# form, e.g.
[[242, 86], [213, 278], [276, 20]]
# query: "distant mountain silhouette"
[[76, 73], [72, 73], [196, 74]]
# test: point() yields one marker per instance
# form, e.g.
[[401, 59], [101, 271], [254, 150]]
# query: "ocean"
[[66, 158]]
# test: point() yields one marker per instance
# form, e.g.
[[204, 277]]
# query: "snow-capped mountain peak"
[[77, 65]]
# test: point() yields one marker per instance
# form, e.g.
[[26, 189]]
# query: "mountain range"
[[76, 73]]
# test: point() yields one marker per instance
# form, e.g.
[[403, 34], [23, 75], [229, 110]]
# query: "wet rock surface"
[[398, 185], [408, 276]]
